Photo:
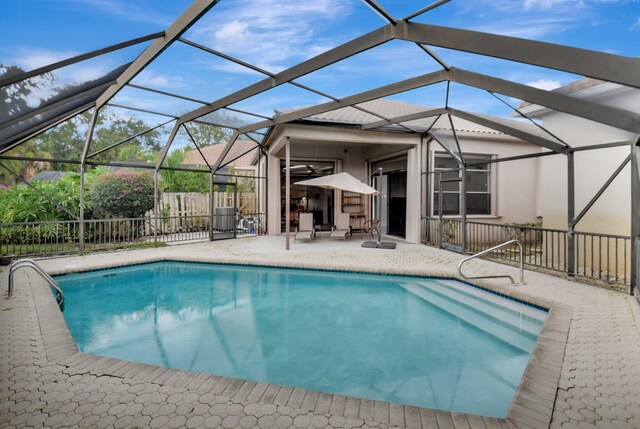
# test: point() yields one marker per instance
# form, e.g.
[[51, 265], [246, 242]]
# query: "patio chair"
[[372, 226], [305, 227], [342, 227], [241, 227]]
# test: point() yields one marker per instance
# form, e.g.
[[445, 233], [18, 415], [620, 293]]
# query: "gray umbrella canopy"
[[340, 181]]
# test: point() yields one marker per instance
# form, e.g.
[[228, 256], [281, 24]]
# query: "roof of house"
[[49, 176], [392, 109], [575, 86], [211, 153]]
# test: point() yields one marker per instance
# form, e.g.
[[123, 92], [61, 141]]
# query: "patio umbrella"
[[346, 182], [340, 181]]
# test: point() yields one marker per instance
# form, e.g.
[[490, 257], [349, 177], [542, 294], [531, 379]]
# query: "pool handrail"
[[30, 263], [484, 252]]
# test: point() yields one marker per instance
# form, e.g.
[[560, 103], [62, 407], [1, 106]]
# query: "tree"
[[207, 135], [182, 181]]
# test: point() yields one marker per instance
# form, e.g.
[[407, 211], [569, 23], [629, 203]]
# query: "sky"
[[276, 34]]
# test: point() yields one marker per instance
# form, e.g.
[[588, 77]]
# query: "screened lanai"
[[246, 85]]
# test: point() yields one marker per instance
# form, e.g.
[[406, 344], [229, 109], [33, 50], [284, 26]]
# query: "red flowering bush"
[[122, 194]]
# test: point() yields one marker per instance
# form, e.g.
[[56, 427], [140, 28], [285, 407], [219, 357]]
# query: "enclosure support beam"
[[30, 185], [571, 211], [635, 218], [155, 207], [507, 129], [599, 65], [511, 158], [426, 9], [608, 115], [266, 189], [156, 191], [78, 58], [194, 12], [353, 47], [463, 190], [85, 151], [287, 198], [225, 151], [601, 191], [127, 139], [211, 192], [361, 97], [167, 146]]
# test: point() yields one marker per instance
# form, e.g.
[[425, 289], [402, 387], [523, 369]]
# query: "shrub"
[[22, 203], [122, 194]]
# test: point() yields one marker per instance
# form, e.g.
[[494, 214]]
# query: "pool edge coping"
[[531, 407]]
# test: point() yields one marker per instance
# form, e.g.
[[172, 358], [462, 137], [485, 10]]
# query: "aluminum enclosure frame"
[[604, 66]]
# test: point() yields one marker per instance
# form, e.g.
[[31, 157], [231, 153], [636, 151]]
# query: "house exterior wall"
[[351, 150], [514, 185], [611, 214]]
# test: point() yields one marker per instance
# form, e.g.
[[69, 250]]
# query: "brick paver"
[[42, 385]]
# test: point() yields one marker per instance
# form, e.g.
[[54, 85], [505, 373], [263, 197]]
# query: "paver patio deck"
[[43, 384]]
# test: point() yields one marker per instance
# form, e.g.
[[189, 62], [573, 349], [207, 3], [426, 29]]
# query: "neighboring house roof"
[[211, 153], [49, 176], [391, 109], [582, 88]]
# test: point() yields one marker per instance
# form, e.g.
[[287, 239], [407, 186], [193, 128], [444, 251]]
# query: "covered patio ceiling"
[[18, 125]]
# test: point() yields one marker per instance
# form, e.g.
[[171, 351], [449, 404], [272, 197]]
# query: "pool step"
[[502, 331], [502, 310]]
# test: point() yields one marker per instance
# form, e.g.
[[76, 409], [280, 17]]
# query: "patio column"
[[287, 193], [463, 208], [635, 218], [211, 192], [155, 207], [571, 215]]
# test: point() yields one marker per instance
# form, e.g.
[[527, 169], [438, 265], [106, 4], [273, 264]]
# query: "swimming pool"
[[414, 341]]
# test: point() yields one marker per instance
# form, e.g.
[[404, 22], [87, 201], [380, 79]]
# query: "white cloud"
[[549, 4], [528, 28], [272, 34], [35, 58], [636, 26], [129, 10], [30, 59], [546, 84], [149, 78]]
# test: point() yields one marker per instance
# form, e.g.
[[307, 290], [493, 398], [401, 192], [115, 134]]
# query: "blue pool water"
[[409, 340]]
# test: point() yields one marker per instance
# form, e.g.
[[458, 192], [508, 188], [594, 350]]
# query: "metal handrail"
[[484, 252], [30, 263]]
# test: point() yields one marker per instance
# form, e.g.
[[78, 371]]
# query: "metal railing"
[[39, 238], [600, 257], [493, 249], [51, 238], [30, 263]]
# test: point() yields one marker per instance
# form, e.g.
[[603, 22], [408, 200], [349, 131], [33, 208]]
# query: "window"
[[478, 186]]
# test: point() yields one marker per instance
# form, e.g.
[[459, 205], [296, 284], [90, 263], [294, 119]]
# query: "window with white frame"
[[478, 184]]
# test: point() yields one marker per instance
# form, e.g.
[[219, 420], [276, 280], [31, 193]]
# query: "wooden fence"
[[190, 210]]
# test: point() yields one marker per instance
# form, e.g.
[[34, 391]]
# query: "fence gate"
[[225, 218]]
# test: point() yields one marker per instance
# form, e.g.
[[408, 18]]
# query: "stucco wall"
[[612, 213], [514, 183], [515, 187]]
